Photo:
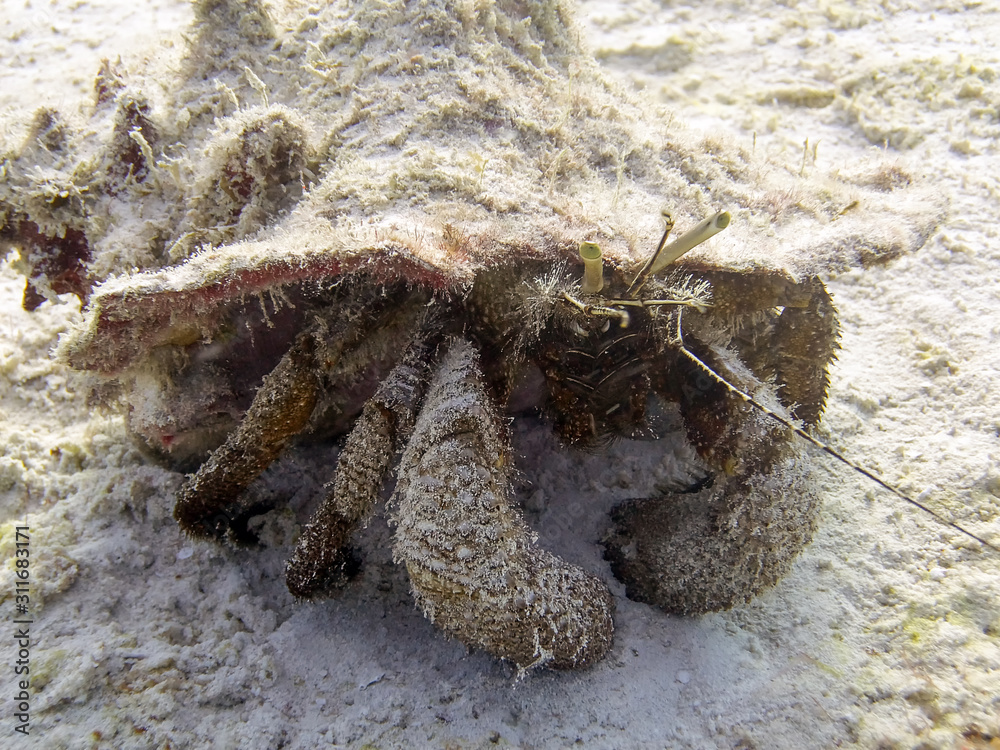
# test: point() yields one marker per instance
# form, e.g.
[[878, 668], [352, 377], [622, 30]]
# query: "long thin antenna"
[[679, 343]]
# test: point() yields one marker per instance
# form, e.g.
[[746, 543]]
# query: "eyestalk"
[[666, 254], [705, 229], [593, 268]]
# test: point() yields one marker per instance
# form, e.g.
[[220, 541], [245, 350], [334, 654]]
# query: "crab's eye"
[[593, 268]]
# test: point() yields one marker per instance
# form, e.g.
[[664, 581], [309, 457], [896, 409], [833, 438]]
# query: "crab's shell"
[[420, 141]]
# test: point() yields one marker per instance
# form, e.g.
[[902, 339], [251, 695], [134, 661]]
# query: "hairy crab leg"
[[321, 559], [327, 352], [719, 544], [282, 407], [716, 547], [475, 569]]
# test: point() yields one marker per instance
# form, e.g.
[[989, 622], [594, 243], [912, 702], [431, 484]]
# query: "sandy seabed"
[[885, 635]]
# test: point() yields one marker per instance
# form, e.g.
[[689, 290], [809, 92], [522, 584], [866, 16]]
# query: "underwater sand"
[[885, 634]]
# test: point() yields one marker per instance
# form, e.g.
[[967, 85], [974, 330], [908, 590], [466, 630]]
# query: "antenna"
[[746, 397]]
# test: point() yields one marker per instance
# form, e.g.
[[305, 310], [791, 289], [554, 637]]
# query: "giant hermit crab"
[[380, 205]]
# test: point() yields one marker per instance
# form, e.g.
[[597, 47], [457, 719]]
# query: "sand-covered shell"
[[422, 140]]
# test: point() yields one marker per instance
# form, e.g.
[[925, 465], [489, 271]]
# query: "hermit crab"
[[403, 222]]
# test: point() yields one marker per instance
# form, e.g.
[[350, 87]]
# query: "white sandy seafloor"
[[885, 635]]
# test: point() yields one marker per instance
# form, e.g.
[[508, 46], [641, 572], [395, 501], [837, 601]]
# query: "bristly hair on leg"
[[678, 342]]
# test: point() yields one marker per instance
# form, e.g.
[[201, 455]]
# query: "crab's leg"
[[713, 549], [321, 557], [281, 408], [475, 569], [696, 552], [805, 343], [328, 352]]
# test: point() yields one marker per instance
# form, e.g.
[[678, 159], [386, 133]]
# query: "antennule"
[[593, 268]]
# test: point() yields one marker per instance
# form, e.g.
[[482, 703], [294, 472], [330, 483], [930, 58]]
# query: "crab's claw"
[[475, 569]]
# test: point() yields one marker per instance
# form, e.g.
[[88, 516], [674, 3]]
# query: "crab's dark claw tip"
[[196, 525], [308, 582]]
